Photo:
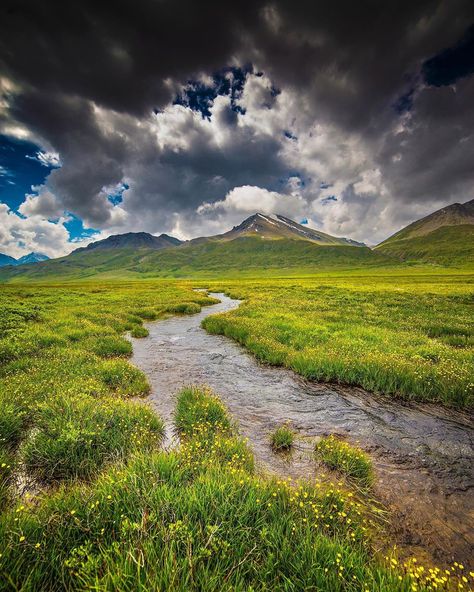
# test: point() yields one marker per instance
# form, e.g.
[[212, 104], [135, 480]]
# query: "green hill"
[[246, 255], [260, 244], [445, 237]]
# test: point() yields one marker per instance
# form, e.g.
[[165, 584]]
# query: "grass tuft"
[[76, 437], [282, 438], [139, 331], [346, 459], [7, 465], [198, 406], [184, 308]]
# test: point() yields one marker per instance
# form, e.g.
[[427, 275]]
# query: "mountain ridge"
[[456, 214], [276, 226], [259, 242], [30, 258], [445, 236], [135, 240]]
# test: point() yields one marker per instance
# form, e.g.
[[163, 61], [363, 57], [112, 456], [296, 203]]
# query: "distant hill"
[[6, 260], [261, 244], [31, 258], [25, 260], [445, 237], [277, 227], [132, 240]]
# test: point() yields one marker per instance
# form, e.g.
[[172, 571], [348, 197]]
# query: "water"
[[423, 455]]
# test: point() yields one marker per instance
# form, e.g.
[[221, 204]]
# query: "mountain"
[[31, 258], [260, 244], [444, 237], [277, 227], [6, 260], [26, 259], [132, 240]]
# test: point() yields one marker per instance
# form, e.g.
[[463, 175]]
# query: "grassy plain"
[[65, 380], [113, 512], [409, 333], [199, 518]]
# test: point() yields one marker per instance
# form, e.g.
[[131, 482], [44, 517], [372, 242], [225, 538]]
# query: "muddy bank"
[[423, 455]]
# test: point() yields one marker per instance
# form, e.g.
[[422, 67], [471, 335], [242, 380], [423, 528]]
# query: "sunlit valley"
[[236, 304]]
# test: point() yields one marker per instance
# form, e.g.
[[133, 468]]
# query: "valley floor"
[[127, 516]]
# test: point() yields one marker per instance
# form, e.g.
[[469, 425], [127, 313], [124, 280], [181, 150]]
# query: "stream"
[[423, 454]]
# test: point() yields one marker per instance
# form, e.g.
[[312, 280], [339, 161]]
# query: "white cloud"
[[22, 235], [249, 199], [43, 204], [47, 159]]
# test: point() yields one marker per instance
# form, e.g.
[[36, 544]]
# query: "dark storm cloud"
[[90, 81], [118, 55]]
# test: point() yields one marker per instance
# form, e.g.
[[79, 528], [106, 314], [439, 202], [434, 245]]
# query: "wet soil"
[[423, 455]]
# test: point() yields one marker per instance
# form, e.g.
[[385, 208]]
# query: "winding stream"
[[423, 455]]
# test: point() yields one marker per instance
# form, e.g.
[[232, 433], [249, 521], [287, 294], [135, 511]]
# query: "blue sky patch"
[[76, 229], [228, 81], [20, 169], [117, 196]]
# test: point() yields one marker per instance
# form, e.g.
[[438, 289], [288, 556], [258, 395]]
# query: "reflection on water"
[[423, 455]]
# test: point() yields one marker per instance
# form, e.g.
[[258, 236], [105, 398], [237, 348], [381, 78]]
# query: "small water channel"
[[423, 454]]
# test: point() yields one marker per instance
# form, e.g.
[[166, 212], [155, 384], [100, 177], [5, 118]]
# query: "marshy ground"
[[90, 500]]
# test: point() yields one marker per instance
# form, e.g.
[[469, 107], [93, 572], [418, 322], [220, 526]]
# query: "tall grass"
[[75, 437], [195, 519], [409, 337], [349, 460], [282, 438], [64, 376]]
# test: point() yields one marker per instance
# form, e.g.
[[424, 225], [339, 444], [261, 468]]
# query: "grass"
[[243, 256], [282, 438], [74, 437], [348, 460], [409, 336], [6, 473], [65, 379], [198, 518], [195, 406], [114, 512], [448, 245]]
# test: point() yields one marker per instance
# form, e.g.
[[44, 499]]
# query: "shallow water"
[[423, 454]]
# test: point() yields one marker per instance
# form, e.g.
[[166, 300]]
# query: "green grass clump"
[[346, 459], [123, 379], [198, 406], [184, 308], [147, 314], [111, 346], [139, 331], [193, 519], [282, 438], [7, 465], [76, 437], [13, 420]]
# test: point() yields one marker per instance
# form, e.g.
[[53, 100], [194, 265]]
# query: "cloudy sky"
[[186, 117]]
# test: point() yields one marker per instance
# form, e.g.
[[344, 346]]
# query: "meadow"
[[200, 518], [408, 334], [66, 387], [90, 501]]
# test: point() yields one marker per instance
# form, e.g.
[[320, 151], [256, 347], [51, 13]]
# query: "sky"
[[186, 117]]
